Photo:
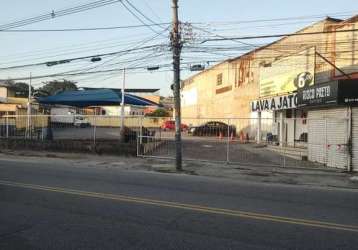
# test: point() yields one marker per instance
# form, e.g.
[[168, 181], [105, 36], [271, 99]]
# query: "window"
[[219, 79]]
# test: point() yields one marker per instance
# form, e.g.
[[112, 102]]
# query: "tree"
[[159, 113], [21, 89], [55, 87]]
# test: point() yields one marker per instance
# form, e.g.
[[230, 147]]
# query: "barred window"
[[219, 79]]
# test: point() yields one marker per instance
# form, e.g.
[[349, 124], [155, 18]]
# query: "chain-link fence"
[[242, 141], [85, 133], [260, 142]]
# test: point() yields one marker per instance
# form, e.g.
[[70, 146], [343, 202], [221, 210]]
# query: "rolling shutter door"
[[328, 136], [316, 138], [355, 139]]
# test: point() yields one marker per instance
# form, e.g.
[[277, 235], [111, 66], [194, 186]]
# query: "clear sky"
[[225, 17]]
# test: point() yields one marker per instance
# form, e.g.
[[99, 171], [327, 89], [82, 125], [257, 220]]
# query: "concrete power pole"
[[176, 47]]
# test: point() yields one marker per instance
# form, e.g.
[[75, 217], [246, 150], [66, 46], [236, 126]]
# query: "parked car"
[[170, 125], [213, 128]]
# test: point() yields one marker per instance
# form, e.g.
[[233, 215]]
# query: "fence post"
[[258, 139], [228, 142], [349, 143], [326, 142], [42, 127], [7, 125], [141, 130], [94, 130]]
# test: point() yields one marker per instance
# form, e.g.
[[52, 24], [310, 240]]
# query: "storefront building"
[[226, 90], [267, 92], [285, 122], [332, 123]]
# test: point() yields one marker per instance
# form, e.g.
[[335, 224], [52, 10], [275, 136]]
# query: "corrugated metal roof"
[[101, 97], [126, 90]]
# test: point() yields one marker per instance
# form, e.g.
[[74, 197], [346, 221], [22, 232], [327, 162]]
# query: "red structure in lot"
[[170, 125]]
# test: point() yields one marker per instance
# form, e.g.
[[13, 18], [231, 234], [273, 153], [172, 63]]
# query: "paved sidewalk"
[[315, 176]]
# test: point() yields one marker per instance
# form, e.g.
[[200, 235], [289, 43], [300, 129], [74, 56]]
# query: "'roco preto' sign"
[[322, 94], [275, 103], [342, 92]]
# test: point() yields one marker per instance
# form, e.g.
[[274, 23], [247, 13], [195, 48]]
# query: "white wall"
[[128, 110], [3, 92]]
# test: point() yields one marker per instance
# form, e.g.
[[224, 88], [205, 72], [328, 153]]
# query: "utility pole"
[[176, 47], [122, 131]]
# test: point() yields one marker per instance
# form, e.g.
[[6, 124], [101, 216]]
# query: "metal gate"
[[227, 141], [235, 141]]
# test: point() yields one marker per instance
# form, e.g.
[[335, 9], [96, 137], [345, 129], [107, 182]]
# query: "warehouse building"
[[261, 92]]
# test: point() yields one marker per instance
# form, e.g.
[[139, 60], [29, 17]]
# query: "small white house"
[[129, 110]]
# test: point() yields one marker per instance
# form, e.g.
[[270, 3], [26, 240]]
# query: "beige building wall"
[[209, 100], [345, 52], [6, 92], [3, 92]]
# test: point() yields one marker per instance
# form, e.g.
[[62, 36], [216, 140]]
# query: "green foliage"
[[159, 113], [56, 87], [21, 89]]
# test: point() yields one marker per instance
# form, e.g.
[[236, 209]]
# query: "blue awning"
[[101, 97]]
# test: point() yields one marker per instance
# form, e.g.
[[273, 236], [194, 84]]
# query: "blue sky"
[[23, 48]]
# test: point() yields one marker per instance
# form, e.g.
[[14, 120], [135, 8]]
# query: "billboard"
[[288, 74]]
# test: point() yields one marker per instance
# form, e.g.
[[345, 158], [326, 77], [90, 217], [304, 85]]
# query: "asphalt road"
[[50, 204]]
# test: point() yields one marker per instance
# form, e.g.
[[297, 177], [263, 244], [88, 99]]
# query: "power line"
[[62, 54], [85, 29], [140, 12], [74, 48], [83, 57], [125, 52], [112, 70], [223, 37], [81, 73], [138, 18], [277, 35], [55, 14], [141, 43], [152, 10], [318, 16]]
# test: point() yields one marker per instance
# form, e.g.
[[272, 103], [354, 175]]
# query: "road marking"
[[196, 208]]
